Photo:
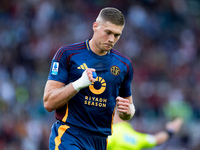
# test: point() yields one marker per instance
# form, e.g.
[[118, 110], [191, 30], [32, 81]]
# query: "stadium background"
[[161, 37]]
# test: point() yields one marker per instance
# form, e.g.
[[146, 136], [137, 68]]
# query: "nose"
[[111, 38]]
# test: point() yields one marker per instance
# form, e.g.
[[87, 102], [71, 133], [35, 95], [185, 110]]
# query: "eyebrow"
[[113, 32]]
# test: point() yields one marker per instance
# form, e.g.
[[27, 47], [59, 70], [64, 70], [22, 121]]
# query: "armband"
[[169, 132]]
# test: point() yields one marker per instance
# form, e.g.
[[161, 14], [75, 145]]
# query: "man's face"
[[106, 35]]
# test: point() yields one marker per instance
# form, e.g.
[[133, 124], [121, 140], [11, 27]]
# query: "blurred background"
[[161, 37]]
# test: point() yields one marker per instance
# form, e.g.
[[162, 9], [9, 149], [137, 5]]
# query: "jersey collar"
[[88, 46]]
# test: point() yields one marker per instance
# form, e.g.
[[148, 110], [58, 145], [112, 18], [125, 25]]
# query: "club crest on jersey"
[[54, 70], [115, 70]]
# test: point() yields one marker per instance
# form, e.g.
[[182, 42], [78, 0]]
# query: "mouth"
[[109, 45]]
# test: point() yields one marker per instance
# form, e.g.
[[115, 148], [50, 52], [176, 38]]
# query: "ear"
[[95, 26]]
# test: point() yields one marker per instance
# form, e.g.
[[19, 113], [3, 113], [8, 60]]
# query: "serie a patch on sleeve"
[[54, 70]]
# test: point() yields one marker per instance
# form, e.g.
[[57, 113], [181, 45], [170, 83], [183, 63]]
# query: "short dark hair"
[[113, 15]]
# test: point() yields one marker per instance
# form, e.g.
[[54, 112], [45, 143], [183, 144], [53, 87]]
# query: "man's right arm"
[[57, 94]]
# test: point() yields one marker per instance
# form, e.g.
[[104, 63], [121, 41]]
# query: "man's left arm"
[[125, 107]]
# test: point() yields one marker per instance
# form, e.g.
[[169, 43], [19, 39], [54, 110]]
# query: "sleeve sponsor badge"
[[54, 70]]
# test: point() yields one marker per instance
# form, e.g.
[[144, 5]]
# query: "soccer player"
[[124, 137], [87, 81]]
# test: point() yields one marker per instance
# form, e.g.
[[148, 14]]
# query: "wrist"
[[132, 110], [170, 133], [76, 85], [82, 82]]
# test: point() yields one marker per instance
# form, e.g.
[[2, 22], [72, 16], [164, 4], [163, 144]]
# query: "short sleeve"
[[58, 71], [125, 90]]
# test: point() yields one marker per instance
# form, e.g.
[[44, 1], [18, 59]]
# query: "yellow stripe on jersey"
[[87, 44], [82, 67], [66, 114], [113, 119], [61, 131], [84, 64]]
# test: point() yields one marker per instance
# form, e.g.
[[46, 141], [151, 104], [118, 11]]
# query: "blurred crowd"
[[161, 37]]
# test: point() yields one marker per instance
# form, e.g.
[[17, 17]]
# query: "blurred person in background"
[[124, 137], [84, 104]]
